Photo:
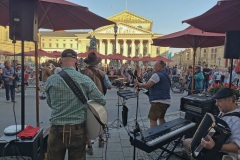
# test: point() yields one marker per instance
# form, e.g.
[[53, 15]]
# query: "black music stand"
[[119, 122], [137, 128]]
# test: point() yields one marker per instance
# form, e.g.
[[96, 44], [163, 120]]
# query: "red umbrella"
[[224, 16], [59, 15], [117, 57], [41, 53], [5, 53], [56, 54], [190, 38], [83, 54], [162, 59], [147, 59], [135, 58], [97, 53]]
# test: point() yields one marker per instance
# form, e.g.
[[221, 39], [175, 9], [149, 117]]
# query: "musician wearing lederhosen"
[[159, 93], [225, 101], [68, 114]]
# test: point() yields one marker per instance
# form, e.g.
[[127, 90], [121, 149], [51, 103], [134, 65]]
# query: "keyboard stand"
[[171, 152]]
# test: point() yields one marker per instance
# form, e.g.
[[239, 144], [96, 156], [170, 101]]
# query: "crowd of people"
[[205, 76]]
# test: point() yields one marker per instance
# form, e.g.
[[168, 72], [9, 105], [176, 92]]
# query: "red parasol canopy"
[[135, 58], [5, 53], [190, 37], [56, 54], [83, 54], [41, 53], [60, 15], [147, 59], [224, 16], [162, 59], [97, 53], [117, 57]]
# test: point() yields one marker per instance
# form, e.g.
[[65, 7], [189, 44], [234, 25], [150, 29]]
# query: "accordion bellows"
[[217, 129]]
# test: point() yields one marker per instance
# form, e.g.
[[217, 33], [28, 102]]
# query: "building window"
[[71, 45], [212, 56], [64, 45], [212, 50], [215, 50], [43, 45], [57, 45], [205, 51], [50, 45]]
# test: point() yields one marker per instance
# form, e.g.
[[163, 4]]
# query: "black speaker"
[[232, 45], [23, 20], [32, 148]]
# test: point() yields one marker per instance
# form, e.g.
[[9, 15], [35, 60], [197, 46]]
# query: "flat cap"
[[223, 93]]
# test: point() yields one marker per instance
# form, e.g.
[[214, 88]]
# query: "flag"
[[170, 55]]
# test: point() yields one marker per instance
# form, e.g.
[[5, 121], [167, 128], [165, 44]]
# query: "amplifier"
[[198, 104], [32, 148]]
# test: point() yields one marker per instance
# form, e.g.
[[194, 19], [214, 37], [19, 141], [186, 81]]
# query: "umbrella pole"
[[230, 79], [22, 90], [194, 55], [37, 84]]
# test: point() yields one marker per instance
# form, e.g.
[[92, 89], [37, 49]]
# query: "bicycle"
[[178, 86]]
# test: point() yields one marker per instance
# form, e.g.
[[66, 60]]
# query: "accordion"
[[214, 127]]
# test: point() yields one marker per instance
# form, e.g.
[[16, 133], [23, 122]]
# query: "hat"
[[197, 67], [223, 93], [69, 53], [92, 59]]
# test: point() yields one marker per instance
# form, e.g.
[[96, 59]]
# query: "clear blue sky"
[[167, 15]]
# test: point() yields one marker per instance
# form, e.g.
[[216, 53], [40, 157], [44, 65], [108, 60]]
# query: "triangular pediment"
[[122, 29], [128, 17]]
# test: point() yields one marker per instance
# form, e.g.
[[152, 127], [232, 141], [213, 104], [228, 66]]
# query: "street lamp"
[[115, 28], [115, 35]]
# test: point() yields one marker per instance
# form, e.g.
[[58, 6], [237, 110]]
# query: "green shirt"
[[66, 107]]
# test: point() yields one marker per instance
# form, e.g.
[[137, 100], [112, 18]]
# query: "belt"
[[76, 126]]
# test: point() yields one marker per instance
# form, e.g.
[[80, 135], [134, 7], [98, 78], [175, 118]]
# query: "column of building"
[[125, 48], [133, 48], [149, 47]]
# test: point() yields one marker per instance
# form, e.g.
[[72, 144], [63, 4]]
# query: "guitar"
[[94, 128]]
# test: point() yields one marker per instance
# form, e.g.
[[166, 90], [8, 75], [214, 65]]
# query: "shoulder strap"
[[237, 114], [78, 92]]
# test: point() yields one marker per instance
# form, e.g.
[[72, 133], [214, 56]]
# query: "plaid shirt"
[[66, 107]]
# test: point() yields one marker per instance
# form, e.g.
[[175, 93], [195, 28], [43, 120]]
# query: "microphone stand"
[[137, 128]]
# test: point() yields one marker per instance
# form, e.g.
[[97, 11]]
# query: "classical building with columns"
[[133, 38]]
